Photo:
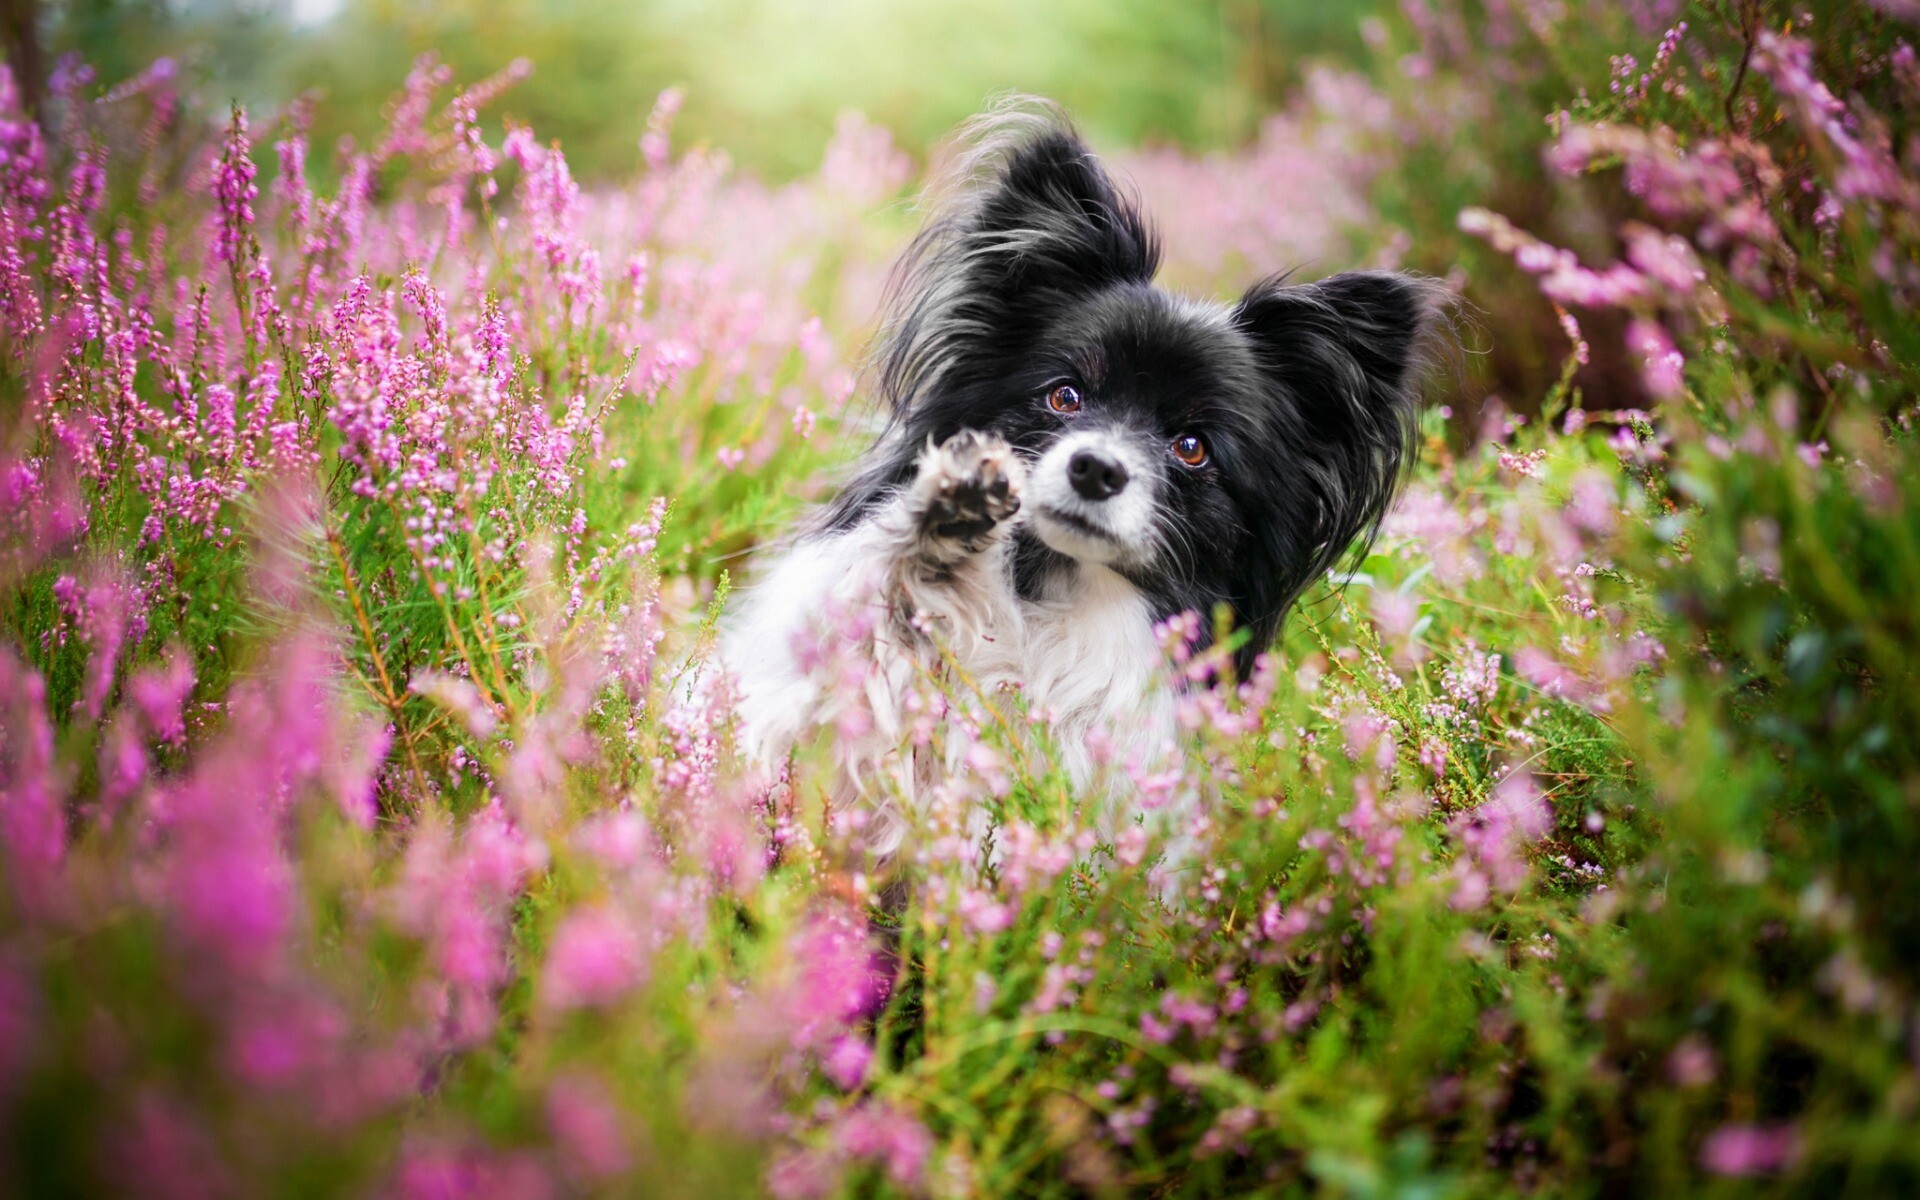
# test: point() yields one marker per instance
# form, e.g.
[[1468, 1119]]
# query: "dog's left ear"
[[1343, 359], [1024, 220]]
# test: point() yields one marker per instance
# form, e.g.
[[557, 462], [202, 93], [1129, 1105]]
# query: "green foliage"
[[766, 80]]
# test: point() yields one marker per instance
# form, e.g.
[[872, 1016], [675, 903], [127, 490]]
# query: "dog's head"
[[1208, 452]]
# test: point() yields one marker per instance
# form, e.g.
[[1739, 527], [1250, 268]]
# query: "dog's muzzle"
[[1093, 494]]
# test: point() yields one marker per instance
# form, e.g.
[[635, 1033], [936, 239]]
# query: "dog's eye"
[[1190, 450], [1064, 399]]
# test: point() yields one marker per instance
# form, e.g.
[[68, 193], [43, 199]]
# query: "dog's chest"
[[1088, 660]]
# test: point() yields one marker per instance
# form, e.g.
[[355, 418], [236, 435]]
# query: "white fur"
[[891, 602], [1124, 522]]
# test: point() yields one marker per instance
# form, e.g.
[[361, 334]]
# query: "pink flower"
[[1745, 1150], [588, 1129], [838, 977], [846, 1061], [803, 1175], [595, 959], [889, 1136], [1553, 678], [432, 1170], [1692, 1062], [1395, 612], [290, 1040], [33, 831], [160, 694], [1661, 362], [164, 1149], [1592, 507], [862, 166], [234, 191], [1494, 839]]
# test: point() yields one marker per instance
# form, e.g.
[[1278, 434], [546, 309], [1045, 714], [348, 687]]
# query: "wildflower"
[[890, 1137], [1395, 612], [838, 980], [587, 1129], [1746, 1150], [1661, 362], [1692, 1062], [595, 959], [846, 1061], [1495, 838], [32, 824], [234, 191]]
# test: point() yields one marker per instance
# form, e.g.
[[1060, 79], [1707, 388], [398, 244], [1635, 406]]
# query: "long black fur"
[[1042, 270]]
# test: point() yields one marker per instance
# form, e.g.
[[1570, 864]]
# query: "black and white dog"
[[1072, 456]]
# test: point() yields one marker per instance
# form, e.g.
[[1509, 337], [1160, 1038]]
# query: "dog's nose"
[[1095, 475]]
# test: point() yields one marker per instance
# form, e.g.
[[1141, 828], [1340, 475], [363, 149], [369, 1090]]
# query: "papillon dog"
[[1071, 457]]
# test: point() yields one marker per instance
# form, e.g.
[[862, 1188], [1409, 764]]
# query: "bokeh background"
[[1267, 135], [765, 79]]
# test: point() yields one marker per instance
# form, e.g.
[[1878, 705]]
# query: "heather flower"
[[1661, 362], [32, 794], [229, 886], [293, 1042], [588, 1130], [1692, 1062], [1545, 672], [160, 1146], [1746, 1150], [803, 1175], [1494, 839], [453, 893], [1591, 506], [837, 978], [846, 1061], [445, 1171], [1562, 276], [596, 958], [861, 166], [234, 191], [1395, 612], [889, 1137]]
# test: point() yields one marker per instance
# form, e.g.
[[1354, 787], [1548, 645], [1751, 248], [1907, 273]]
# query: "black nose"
[[1094, 475]]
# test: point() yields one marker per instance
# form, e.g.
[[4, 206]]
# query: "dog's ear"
[[1343, 359], [1053, 221], [1024, 219]]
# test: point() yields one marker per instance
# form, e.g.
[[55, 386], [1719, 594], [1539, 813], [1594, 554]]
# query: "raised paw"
[[967, 485]]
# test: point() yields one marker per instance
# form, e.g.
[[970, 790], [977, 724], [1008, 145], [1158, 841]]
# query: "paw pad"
[[970, 483]]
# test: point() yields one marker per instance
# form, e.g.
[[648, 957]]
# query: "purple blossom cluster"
[[306, 414]]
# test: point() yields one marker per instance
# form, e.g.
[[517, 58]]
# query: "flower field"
[[370, 825]]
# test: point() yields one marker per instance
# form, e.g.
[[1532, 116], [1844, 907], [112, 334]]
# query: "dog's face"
[[1209, 453], [1142, 421]]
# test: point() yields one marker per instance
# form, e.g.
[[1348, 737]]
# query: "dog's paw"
[[967, 485]]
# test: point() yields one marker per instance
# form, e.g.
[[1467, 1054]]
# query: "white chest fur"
[[1084, 655], [1092, 668]]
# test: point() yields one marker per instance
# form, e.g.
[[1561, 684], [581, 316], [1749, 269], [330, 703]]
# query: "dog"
[[1071, 457]]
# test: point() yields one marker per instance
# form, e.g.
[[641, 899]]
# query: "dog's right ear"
[[1343, 359], [1025, 218]]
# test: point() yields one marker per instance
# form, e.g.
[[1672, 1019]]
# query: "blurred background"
[[1264, 135], [764, 79]]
